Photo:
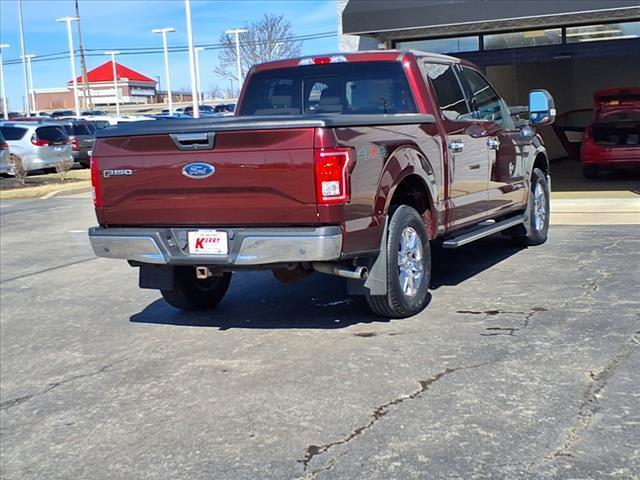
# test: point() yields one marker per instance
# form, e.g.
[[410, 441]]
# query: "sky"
[[116, 24]]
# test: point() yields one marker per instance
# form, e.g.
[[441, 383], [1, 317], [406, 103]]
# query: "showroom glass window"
[[485, 102], [530, 38], [451, 99], [443, 45], [603, 32]]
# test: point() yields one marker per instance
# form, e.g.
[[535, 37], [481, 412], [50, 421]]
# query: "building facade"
[[571, 48], [133, 88]]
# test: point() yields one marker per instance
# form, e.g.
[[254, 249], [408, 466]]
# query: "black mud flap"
[[157, 277], [376, 282]]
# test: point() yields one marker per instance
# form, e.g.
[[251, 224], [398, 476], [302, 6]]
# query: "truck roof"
[[359, 56]]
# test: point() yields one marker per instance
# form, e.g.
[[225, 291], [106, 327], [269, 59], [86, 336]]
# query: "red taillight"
[[4, 146], [95, 182], [332, 175], [74, 143], [38, 142]]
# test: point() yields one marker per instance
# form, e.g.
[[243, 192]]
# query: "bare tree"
[[267, 39], [214, 92]]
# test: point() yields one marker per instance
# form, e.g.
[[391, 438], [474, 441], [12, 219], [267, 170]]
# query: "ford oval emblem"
[[198, 170]]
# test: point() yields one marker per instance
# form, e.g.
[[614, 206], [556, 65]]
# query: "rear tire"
[[408, 267], [192, 294], [590, 173], [535, 229]]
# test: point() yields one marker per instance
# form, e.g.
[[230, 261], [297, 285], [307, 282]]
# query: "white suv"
[[39, 145]]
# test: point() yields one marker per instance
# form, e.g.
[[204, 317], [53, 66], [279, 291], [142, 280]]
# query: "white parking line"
[[77, 231]]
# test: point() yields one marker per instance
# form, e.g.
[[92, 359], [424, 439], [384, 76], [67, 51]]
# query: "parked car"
[[38, 145], [203, 109], [402, 149], [225, 108], [93, 113], [176, 110], [62, 113], [81, 135], [612, 141], [101, 121], [5, 165]]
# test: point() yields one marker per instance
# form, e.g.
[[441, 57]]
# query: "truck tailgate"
[[261, 177]]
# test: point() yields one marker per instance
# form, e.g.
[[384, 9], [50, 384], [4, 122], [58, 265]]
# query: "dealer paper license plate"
[[208, 242]]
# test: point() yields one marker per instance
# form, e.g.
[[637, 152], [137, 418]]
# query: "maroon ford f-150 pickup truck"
[[350, 164]]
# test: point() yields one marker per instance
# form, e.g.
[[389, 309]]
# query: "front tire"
[[192, 294], [408, 267], [536, 227]]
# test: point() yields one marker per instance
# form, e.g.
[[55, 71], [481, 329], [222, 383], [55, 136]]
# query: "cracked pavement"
[[526, 364]]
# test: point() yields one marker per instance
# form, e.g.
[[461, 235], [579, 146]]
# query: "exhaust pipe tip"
[[356, 273]]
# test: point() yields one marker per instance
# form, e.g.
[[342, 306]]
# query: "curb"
[[67, 191]]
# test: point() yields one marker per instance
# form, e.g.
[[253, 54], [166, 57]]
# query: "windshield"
[[339, 88]]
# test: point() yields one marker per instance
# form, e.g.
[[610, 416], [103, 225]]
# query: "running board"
[[479, 233]]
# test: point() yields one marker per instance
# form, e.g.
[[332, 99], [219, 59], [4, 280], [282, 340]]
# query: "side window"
[[451, 98], [485, 102]]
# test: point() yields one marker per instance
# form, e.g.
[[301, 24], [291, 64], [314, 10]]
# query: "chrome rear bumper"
[[247, 246]]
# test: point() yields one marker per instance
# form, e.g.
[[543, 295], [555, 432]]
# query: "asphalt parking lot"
[[526, 364]]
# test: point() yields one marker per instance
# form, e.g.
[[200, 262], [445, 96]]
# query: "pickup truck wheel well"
[[413, 192], [542, 163]]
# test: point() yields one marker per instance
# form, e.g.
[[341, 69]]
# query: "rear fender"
[[402, 163]]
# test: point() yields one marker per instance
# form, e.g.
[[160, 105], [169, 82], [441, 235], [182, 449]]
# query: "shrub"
[[19, 168], [63, 166]]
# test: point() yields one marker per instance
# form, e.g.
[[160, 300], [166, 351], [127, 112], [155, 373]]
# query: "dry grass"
[[39, 185]]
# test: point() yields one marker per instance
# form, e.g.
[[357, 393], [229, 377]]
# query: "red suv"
[[613, 139]]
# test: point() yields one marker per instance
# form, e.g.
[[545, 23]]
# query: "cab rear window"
[[340, 88]]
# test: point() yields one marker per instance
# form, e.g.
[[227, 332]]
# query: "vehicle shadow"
[[256, 300], [452, 267]]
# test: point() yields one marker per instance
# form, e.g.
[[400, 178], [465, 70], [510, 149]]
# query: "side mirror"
[[542, 109]]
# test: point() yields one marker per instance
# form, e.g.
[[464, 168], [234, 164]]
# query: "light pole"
[[24, 60], [30, 83], [72, 59], [237, 32], [115, 78], [197, 51], [167, 75], [192, 65], [3, 92]]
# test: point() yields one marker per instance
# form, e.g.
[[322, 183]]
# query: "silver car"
[[5, 166], [39, 145]]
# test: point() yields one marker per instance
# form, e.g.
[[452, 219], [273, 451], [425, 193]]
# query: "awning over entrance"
[[391, 20]]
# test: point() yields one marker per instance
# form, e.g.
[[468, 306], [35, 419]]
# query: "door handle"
[[456, 146], [194, 141], [475, 166], [493, 143]]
